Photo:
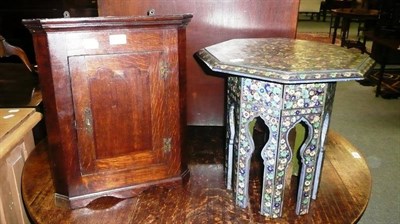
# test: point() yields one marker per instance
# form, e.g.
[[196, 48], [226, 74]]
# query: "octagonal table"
[[284, 82]]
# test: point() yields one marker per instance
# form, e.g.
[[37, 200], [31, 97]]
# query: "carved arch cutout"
[[298, 137], [260, 136]]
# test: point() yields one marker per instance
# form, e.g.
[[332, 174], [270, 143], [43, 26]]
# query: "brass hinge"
[[88, 121], [167, 145], [164, 70]]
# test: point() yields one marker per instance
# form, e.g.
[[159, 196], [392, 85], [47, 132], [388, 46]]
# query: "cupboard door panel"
[[114, 97], [114, 109]]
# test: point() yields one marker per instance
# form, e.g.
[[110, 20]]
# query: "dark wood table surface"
[[348, 15], [343, 196]]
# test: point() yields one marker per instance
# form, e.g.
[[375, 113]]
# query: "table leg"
[[229, 145], [381, 70], [345, 30], [335, 27], [239, 148], [312, 151], [380, 79], [257, 99], [320, 158]]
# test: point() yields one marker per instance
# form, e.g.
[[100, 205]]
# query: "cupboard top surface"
[[109, 22]]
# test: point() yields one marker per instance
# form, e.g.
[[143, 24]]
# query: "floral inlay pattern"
[[286, 60], [281, 107]]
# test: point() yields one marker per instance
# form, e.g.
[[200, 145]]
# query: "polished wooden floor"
[[343, 195]]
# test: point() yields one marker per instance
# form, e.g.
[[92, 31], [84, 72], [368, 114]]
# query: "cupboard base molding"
[[120, 193]]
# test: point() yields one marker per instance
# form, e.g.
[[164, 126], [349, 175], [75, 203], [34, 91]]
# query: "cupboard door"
[[121, 104]]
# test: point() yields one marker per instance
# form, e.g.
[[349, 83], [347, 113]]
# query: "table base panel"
[[281, 107]]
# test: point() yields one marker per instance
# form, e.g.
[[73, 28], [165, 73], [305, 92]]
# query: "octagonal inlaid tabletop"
[[286, 60]]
